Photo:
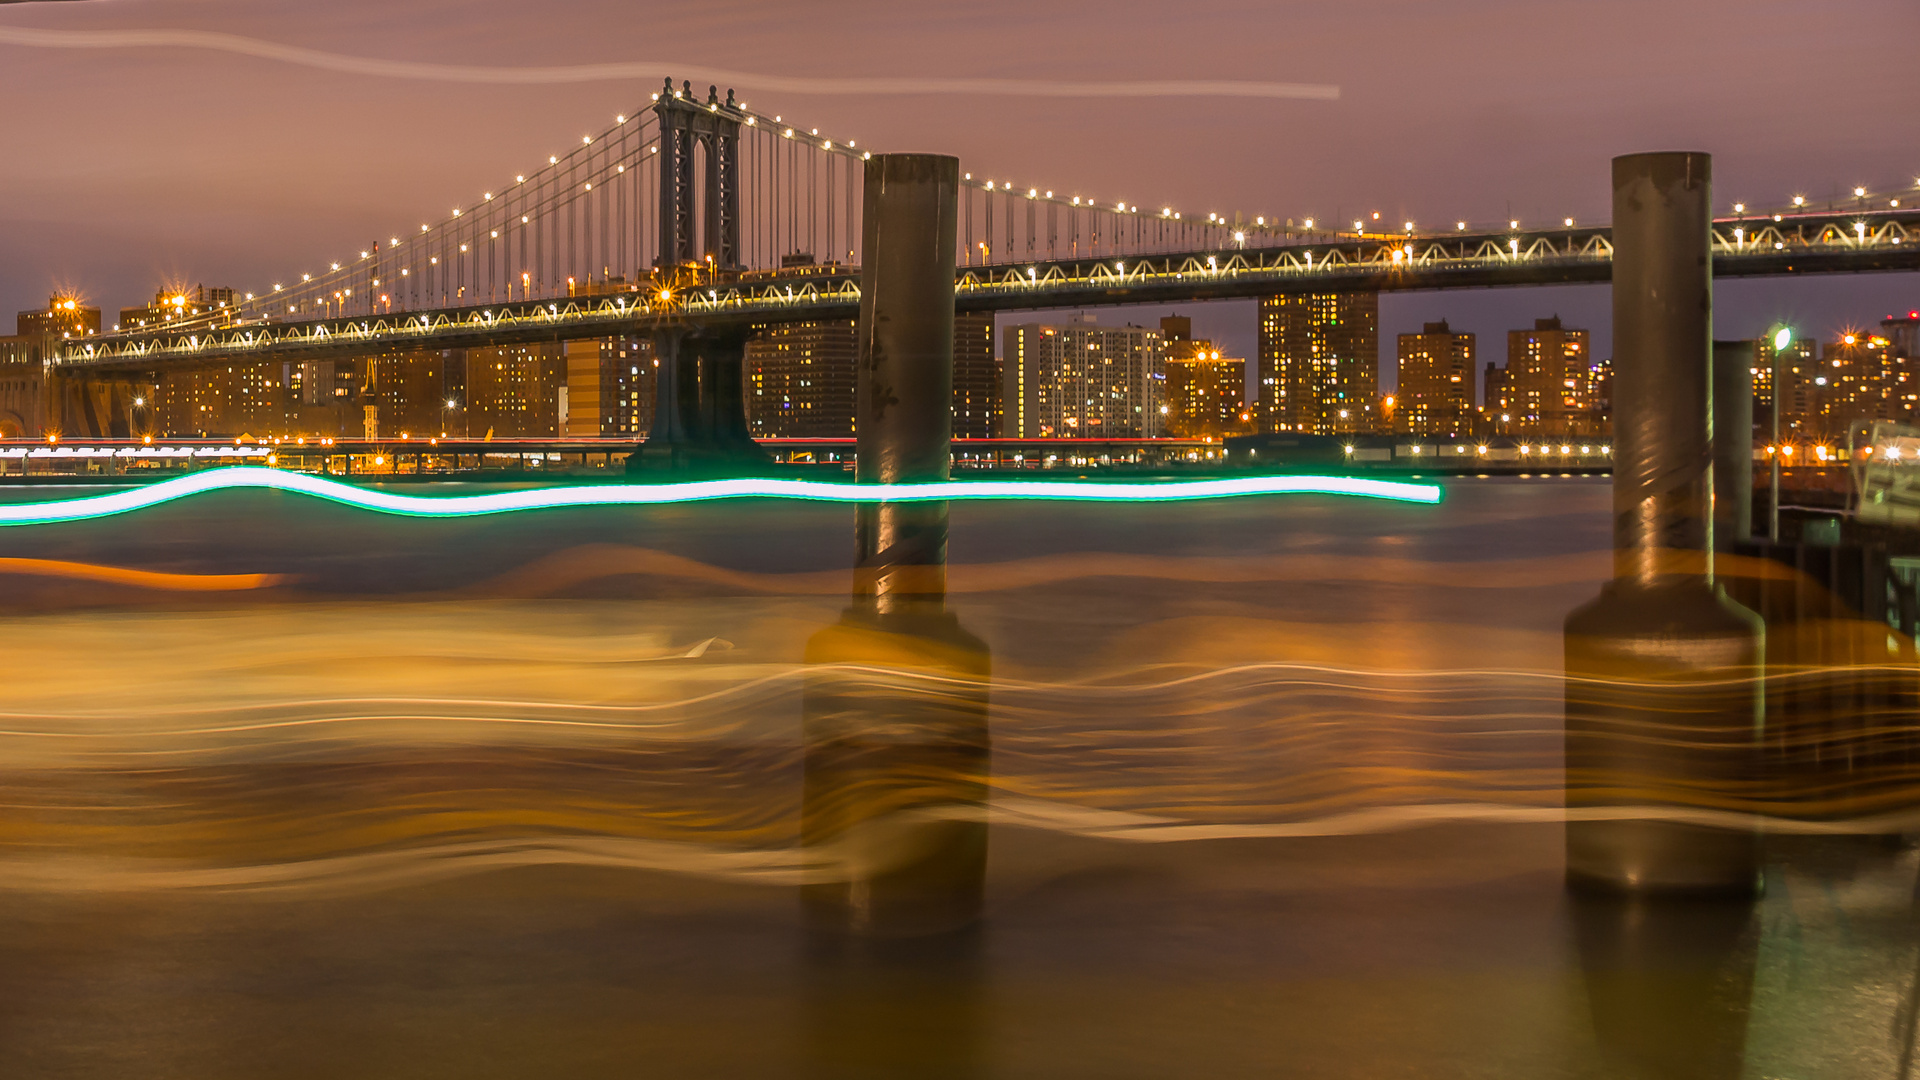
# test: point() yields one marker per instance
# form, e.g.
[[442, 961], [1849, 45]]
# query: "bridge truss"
[[1483, 261]]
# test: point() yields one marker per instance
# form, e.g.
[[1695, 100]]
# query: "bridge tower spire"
[[688, 127]]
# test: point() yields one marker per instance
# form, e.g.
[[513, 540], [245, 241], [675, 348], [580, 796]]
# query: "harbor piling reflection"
[[897, 749], [1669, 982]]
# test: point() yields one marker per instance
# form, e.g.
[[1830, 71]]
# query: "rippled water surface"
[[1249, 787]]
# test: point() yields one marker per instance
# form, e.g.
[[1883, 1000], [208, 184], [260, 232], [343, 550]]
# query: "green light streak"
[[503, 502]]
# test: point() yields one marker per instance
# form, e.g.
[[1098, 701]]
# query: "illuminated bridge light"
[[121, 502]]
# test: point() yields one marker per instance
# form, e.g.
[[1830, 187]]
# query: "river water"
[[1236, 788]]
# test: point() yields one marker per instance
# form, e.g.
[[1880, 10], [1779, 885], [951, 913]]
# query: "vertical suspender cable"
[[565, 190], [583, 196], [966, 217], [620, 195], [606, 215]]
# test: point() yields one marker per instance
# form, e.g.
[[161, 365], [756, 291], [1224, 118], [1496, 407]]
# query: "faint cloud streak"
[[647, 69]]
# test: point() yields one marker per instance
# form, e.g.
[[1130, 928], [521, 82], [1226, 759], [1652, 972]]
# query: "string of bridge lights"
[[848, 148], [554, 162], [1239, 231], [1307, 226], [1370, 227]]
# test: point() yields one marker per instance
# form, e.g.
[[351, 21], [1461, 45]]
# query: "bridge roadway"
[[1830, 241]]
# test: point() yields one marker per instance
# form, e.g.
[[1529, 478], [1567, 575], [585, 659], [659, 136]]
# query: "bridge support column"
[[896, 723], [700, 407], [88, 407], [904, 410], [1733, 363], [1662, 697]]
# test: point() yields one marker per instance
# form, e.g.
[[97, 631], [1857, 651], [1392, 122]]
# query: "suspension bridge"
[[706, 216]]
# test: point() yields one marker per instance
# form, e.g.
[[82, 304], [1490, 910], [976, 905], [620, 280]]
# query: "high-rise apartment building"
[[513, 391], [1081, 381], [1435, 394], [1858, 376], [1496, 399], [386, 394], [1319, 369], [1799, 367], [629, 371], [508, 391], [976, 377], [1600, 395], [582, 412], [410, 392], [1903, 334], [1762, 372], [800, 380], [225, 401], [1549, 386], [1206, 392]]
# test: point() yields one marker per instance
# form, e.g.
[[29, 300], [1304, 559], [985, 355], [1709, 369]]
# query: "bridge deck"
[[1810, 243]]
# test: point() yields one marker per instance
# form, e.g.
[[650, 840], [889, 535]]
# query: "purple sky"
[[126, 167]]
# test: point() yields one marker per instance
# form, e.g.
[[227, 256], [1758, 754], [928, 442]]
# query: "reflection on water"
[[1230, 788], [895, 731], [1669, 981]]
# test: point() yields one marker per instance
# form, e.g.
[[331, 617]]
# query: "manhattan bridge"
[[692, 221]]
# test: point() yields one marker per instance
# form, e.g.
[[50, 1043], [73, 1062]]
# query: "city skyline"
[[799, 380], [213, 180]]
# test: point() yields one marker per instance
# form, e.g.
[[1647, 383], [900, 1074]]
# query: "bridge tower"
[[688, 127], [700, 407]]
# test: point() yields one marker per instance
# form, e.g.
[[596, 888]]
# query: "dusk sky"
[[129, 167]]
